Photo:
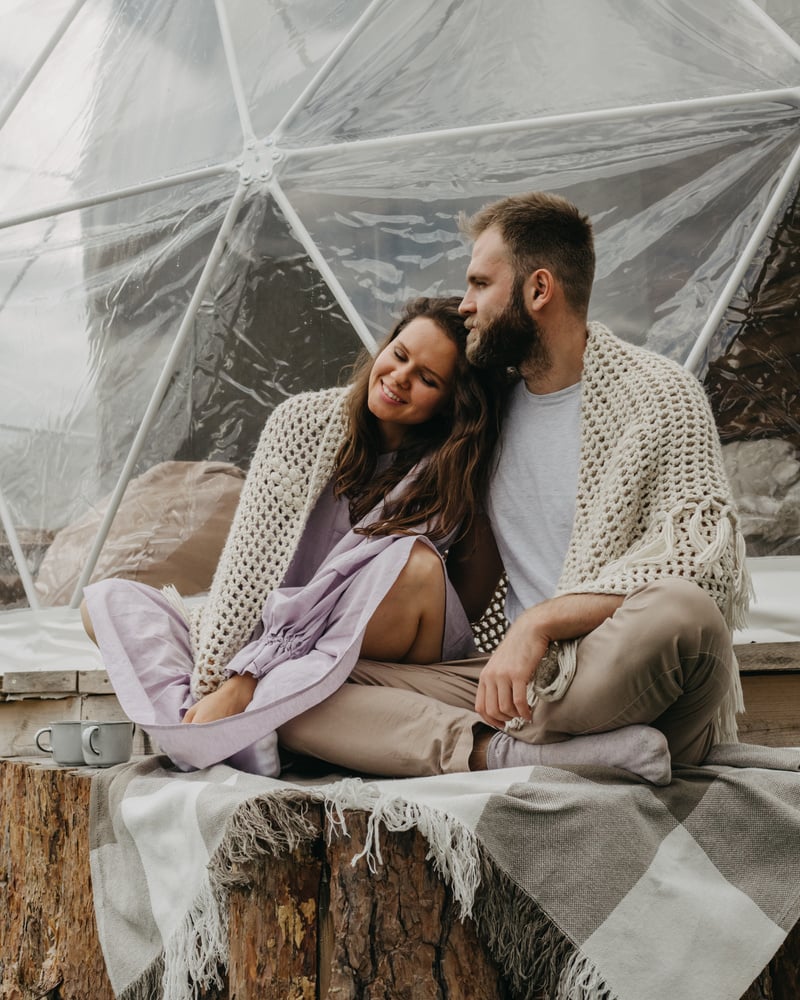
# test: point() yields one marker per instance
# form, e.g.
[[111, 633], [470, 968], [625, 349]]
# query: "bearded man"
[[611, 515]]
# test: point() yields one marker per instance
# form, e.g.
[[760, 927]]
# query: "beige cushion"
[[170, 528]]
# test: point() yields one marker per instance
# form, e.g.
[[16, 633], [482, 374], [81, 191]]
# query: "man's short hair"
[[543, 230]]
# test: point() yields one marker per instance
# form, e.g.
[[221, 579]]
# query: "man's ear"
[[539, 288]]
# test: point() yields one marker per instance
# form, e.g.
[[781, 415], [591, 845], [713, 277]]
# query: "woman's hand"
[[231, 697]]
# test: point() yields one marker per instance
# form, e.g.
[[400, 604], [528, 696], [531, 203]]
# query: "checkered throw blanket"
[[584, 882]]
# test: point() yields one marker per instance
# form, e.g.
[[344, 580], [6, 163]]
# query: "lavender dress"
[[306, 646]]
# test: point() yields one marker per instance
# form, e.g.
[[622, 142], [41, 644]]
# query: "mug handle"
[[41, 732], [87, 740]]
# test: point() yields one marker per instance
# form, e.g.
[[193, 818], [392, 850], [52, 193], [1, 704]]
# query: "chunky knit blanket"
[[653, 500], [292, 464], [585, 884]]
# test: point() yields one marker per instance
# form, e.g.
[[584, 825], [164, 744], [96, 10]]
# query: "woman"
[[336, 552]]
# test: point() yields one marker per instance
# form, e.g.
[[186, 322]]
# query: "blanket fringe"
[[197, 952], [452, 847], [148, 986], [536, 957], [196, 955], [525, 942], [272, 824], [581, 980]]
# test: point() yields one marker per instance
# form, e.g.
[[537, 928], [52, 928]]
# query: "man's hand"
[[502, 689], [503, 685], [231, 697]]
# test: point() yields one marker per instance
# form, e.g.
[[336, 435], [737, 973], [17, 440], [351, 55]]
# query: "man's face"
[[502, 332]]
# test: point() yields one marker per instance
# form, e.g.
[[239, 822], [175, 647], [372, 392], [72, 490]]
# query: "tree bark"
[[329, 929], [49, 938], [274, 924]]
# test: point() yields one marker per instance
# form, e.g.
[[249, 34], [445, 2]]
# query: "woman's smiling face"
[[411, 379]]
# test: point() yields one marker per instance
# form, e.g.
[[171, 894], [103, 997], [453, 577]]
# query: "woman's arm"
[[474, 567]]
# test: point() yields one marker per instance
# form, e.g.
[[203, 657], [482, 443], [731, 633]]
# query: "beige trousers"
[[664, 658]]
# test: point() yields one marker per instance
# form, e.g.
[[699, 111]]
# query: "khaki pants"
[[664, 658]]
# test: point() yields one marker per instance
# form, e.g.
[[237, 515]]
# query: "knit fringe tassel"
[[172, 596], [555, 674]]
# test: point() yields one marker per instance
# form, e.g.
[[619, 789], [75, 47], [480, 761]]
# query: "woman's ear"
[[541, 285]]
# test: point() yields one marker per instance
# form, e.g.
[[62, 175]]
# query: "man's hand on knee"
[[503, 685]]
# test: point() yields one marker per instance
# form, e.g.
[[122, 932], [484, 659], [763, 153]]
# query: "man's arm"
[[502, 690], [474, 567]]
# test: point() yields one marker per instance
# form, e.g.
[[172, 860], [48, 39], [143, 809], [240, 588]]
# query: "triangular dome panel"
[[138, 93], [674, 202], [419, 66]]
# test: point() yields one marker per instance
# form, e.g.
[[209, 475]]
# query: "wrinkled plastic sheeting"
[[673, 204], [754, 386], [379, 123]]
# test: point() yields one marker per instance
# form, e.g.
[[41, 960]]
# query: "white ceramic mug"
[[106, 743], [65, 742]]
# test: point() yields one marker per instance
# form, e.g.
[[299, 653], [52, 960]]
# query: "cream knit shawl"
[[293, 462], [653, 499]]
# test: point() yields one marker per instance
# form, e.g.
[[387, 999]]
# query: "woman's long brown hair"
[[457, 443]]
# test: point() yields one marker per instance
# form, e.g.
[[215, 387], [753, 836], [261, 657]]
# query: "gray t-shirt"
[[532, 495]]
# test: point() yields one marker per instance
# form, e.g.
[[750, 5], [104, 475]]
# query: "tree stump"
[[48, 938], [309, 925], [329, 928]]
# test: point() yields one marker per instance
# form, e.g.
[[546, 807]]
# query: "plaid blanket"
[[592, 885]]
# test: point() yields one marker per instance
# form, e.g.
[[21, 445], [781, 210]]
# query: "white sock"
[[641, 750]]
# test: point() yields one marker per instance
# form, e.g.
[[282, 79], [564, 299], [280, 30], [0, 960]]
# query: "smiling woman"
[[353, 497], [411, 379]]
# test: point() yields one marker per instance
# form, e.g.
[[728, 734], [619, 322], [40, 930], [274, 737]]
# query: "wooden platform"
[[29, 701], [770, 675], [770, 678]]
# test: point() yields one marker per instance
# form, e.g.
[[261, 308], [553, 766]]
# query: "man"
[[609, 490], [612, 517]]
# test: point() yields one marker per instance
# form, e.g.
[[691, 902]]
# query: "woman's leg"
[[408, 624], [145, 646], [87, 622]]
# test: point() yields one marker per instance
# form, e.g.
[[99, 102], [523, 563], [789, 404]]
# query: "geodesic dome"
[[207, 206]]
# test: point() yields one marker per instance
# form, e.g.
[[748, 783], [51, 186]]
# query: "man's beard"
[[511, 339]]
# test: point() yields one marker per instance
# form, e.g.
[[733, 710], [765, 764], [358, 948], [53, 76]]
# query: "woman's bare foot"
[[231, 697], [642, 750]]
